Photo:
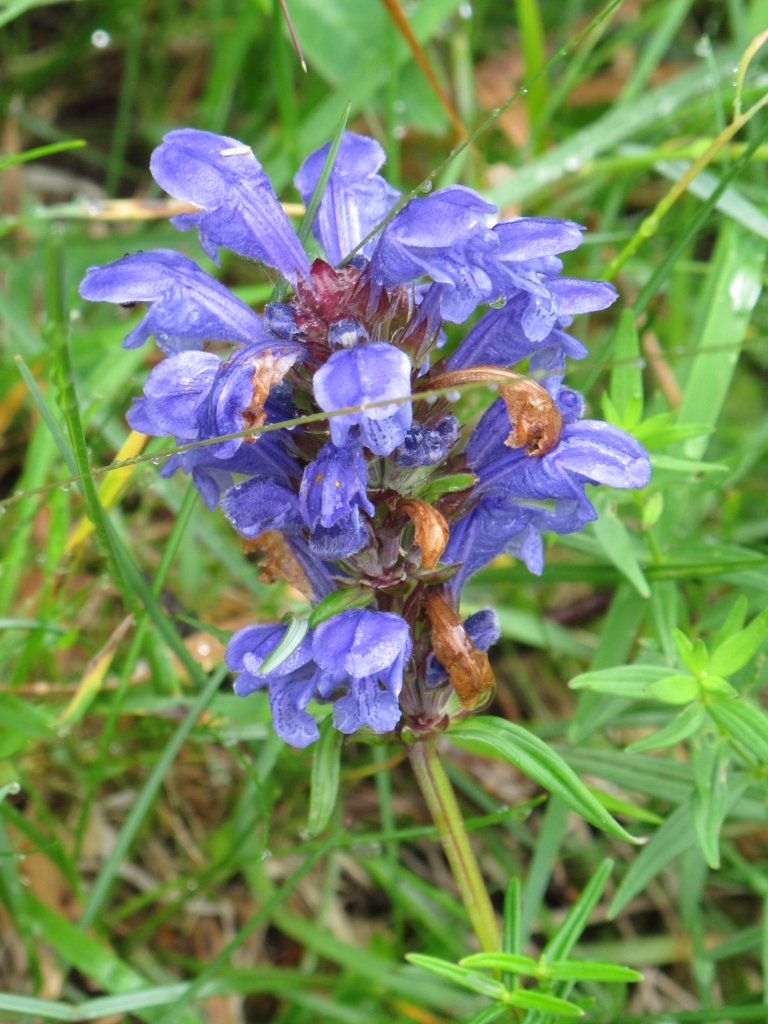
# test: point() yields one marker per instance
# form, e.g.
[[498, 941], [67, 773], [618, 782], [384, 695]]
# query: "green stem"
[[441, 801]]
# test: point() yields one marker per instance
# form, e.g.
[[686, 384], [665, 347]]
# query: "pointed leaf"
[[734, 653], [577, 918], [530, 755], [747, 724], [460, 975], [291, 639], [626, 387], [534, 999], [622, 681], [688, 722], [675, 689], [339, 601], [324, 785], [510, 962], [590, 970], [616, 541]]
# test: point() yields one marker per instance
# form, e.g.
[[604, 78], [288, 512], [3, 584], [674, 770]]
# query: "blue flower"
[[333, 485], [426, 446], [355, 199], [262, 503], [356, 376], [364, 652], [238, 207], [512, 485], [292, 685], [356, 660], [443, 236], [241, 390], [353, 337], [186, 305]]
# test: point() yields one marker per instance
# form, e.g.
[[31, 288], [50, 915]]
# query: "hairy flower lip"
[[535, 419]]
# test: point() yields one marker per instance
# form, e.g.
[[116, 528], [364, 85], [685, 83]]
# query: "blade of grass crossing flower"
[[305, 228]]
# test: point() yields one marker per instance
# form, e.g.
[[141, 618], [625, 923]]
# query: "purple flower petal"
[[174, 392], [260, 504], [239, 209], [442, 236], [186, 305], [355, 199], [356, 376], [333, 484]]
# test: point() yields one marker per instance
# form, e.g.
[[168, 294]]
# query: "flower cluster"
[[383, 511]]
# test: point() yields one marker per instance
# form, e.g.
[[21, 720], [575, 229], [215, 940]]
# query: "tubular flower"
[[383, 511]]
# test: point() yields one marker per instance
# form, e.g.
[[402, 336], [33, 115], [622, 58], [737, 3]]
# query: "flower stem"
[[443, 806]]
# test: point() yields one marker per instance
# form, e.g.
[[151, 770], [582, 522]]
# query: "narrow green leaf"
[[682, 726], [511, 962], [675, 689], [47, 414], [39, 151], [709, 805], [339, 601], [626, 386], [290, 641], [747, 724], [533, 999], [733, 287], [734, 652], [324, 784], [317, 194], [590, 970], [510, 926], [577, 918], [674, 836], [622, 681], [434, 489], [45, 1009], [734, 621], [460, 975], [530, 755], [617, 543]]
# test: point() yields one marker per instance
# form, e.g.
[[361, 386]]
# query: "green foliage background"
[[162, 856]]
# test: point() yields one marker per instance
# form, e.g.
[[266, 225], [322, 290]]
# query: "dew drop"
[[572, 163], [465, 11], [524, 91], [426, 186], [155, 461], [399, 131], [100, 39], [13, 788], [265, 855]]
